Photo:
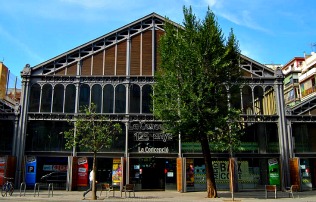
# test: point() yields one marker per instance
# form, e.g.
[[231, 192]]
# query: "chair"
[[128, 188], [108, 188], [271, 188], [293, 188]]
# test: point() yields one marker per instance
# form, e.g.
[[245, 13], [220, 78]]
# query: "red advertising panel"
[[82, 179], [2, 169]]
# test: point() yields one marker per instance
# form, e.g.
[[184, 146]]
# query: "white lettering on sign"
[[153, 150]]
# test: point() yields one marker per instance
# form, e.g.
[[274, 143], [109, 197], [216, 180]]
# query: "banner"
[[274, 172], [117, 171], [2, 169], [83, 166], [30, 177]]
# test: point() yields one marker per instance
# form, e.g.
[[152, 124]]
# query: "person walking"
[[91, 176]]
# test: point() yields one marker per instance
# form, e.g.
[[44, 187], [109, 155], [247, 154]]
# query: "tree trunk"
[[210, 180], [94, 191]]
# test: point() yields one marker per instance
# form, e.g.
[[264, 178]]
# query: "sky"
[[268, 31]]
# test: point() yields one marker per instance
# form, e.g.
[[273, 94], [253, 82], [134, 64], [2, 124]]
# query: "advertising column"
[[82, 179], [30, 168], [274, 172]]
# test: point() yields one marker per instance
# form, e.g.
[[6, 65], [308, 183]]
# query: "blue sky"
[[268, 31]]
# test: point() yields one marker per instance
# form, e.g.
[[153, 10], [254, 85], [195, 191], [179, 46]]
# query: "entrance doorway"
[[153, 173]]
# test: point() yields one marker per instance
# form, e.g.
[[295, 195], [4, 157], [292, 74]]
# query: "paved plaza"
[[160, 196]]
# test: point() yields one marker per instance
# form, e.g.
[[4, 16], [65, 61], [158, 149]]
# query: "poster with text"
[[82, 179], [116, 172], [30, 177]]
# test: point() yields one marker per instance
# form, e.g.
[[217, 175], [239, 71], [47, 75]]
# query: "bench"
[[293, 188], [271, 188], [128, 188], [107, 188]]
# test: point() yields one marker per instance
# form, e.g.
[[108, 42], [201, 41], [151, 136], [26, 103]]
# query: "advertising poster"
[[2, 169], [30, 177], [190, 173], [274, 172], [116, 171], [82, 179]]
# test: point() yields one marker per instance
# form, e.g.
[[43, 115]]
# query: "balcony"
[[308, 91], [306, 75]]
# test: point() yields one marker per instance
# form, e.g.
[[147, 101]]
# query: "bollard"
[[22, 184], [36, 185], [50, 187]]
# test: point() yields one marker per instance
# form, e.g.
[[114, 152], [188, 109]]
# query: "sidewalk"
[[161, 196]]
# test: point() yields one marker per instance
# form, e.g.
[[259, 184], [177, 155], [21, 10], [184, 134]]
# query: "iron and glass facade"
[[116, 72]]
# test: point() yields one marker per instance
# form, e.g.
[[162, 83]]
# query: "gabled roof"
[[71, 57], [99, 44]]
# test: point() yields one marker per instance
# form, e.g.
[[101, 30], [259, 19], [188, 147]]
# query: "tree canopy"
[[92, 132], [191, 92]]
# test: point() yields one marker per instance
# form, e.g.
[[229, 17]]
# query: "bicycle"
[[7, 187]]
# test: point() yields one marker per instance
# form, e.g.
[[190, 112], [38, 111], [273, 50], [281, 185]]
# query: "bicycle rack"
[[50, 187], [36, 185], [22, 185]]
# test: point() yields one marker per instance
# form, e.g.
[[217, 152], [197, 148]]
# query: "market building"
[[116, 72]]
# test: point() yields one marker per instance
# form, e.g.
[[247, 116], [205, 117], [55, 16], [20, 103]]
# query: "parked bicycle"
[[7, 187]]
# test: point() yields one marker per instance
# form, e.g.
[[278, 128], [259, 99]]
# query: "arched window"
[[235, 97], [258, 99], [146, 99], [108, 99], [70, 98], [84, 98], [247, 100], [96, 97], [134, 98], [120, 99], [46, 100], [35, 98], [58, 99]]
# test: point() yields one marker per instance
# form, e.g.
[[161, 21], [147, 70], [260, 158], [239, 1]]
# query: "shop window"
[[46, 100], [120, 99], [134, 98], [70, 98], [108, 97], [96, 97], [35, 98], [146, 99], [58, 99]]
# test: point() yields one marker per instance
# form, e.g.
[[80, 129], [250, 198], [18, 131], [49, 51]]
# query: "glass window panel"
[[70, 99], [247, 100], [58, 101], [96, 97], [146, 99], [46, 98], [134, 99], [108, 97], [35, 98], [84, 98], [120, 99]]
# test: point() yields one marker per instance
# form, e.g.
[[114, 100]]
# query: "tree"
[[197, 68], [92, 132]]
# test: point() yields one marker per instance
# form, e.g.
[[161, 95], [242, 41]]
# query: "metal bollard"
[[36, 185], [22, 184], [50, 187]]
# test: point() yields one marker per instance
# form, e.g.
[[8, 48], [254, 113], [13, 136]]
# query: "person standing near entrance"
[[91, 175]]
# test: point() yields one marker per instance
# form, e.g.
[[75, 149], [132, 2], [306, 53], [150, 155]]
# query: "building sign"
[[147, 137]]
